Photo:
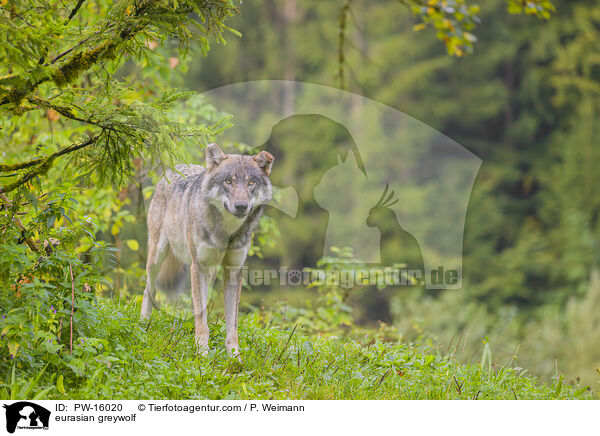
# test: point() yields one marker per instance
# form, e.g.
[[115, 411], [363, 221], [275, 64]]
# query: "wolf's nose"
[[240, 206]]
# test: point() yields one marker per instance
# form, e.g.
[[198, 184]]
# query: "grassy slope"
[[133, 359]]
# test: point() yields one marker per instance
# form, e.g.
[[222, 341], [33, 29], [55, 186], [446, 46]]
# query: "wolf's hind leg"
[[156, 255], [200, 278]]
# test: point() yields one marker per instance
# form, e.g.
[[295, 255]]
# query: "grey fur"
[[200, 218]]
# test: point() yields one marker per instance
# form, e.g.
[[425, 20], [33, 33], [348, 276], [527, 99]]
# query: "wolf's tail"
[[172, 276]]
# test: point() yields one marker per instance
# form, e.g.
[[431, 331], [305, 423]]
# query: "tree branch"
[[146, 13], [45, 163], [75, 65], [6, 168], [20, 225], [341, 37], [65, 111], [75, 10], [76, 147], [72, 305]]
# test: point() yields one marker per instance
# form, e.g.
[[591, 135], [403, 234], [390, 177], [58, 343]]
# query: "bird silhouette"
[[397, 246]]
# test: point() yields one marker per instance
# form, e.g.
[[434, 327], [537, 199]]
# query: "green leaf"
[[41, 394], [60, 384], [13, 347], [133, 244]]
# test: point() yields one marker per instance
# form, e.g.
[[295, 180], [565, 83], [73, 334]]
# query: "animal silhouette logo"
[[26, 415], [432, 175], [339, 194]]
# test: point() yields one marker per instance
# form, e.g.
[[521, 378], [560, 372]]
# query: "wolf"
[[202, 218]]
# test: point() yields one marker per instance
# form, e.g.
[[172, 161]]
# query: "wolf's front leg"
[[233, 263], [199, 277], [232, 277]]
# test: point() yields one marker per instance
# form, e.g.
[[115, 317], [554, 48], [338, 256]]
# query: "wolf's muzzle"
[[241, 207]]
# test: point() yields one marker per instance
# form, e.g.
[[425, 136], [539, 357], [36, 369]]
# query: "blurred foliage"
[[526, 102]]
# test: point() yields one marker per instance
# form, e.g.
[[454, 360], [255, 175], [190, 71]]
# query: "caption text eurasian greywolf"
[[201, 218]]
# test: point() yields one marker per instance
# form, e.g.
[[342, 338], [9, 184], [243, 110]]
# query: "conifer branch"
[[44, 164], [75, 10]]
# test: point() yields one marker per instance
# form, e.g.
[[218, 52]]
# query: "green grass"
[[131, 359]]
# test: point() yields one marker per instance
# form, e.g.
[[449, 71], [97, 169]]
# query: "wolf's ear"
[[214, 156], [264, 161]]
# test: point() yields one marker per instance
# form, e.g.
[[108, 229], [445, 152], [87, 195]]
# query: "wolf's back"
[[170, 193]]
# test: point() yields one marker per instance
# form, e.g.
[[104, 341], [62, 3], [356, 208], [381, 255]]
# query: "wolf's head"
[[237, 183]]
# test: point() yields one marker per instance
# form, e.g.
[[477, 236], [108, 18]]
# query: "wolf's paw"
[[202, 348], [235, 358], [235, 364], [234, 352]]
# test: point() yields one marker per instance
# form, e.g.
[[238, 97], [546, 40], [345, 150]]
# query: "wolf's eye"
[[228, 180], [250, 182]]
